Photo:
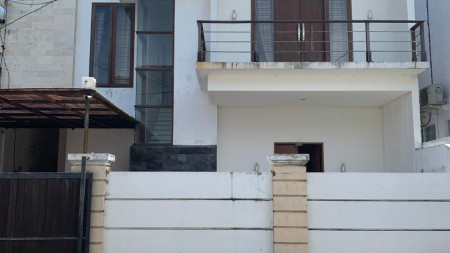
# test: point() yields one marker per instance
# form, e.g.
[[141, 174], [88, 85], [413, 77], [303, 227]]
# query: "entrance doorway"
[[314, 150]]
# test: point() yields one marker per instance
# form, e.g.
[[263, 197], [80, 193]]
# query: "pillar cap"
[[92, 157], [288, 160]]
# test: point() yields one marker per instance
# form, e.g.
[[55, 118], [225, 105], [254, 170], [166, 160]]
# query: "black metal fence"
[[39, 212], [311, 41]]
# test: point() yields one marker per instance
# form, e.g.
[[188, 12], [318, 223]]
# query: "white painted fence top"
[[189, 185]]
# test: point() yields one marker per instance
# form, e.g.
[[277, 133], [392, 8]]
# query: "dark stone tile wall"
[[173, 158]]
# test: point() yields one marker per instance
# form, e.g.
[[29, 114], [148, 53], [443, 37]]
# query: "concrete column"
[[290, 232], [99, 165]]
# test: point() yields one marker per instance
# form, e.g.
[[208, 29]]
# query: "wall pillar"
[[290, 233], [99, 165]]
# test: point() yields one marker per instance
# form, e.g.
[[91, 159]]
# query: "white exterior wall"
[[112, 141], [378, 213], [398, 135], [188, 212], [359, 123], [124, 98], [352, 136], [195, 119], [39, 48]]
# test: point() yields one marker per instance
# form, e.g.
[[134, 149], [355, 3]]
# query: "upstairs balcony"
[[311, 41], [309, 56]]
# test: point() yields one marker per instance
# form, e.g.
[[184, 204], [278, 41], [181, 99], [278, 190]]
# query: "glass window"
[[155, 15], [156, 125], [112, 44], [155, 50], [429, 133], [154, 72], [124, 33], [154, 88], [102, 45]]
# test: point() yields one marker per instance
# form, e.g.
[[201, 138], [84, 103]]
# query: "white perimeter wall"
[[232, 212], [372, 213], [188, 212], [351, 136], [112, 141]]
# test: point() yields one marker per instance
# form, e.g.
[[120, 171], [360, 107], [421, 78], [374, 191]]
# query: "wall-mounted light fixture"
[[369, 15], [233, 15], [342, 167]]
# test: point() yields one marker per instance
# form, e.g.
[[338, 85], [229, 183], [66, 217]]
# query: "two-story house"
[[216, 86], [335, 79]]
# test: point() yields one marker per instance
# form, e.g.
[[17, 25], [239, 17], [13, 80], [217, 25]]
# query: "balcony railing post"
[[413, 45], [423, 53], [311, 48], [200, 57], [368, 52]]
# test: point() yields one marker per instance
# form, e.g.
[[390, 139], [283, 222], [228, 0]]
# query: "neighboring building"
[[434, 156]]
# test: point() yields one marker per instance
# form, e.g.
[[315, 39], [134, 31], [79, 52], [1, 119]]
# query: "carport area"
[[39, 126]]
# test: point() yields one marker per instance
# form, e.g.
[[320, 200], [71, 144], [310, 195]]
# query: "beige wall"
[[112, 141], [350, 135], [40, 47]]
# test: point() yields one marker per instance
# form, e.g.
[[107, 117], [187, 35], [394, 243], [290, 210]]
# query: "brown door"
[[315, 151], [293, 40]]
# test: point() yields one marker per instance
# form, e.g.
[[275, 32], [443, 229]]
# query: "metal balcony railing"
[[311, 41]]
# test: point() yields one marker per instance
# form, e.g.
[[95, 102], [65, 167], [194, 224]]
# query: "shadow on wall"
[[30, 150]]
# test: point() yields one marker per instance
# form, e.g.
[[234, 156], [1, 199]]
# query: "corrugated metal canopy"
[[59, 108]]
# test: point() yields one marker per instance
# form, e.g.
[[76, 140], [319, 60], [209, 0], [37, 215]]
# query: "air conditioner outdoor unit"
[[432, 95]]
